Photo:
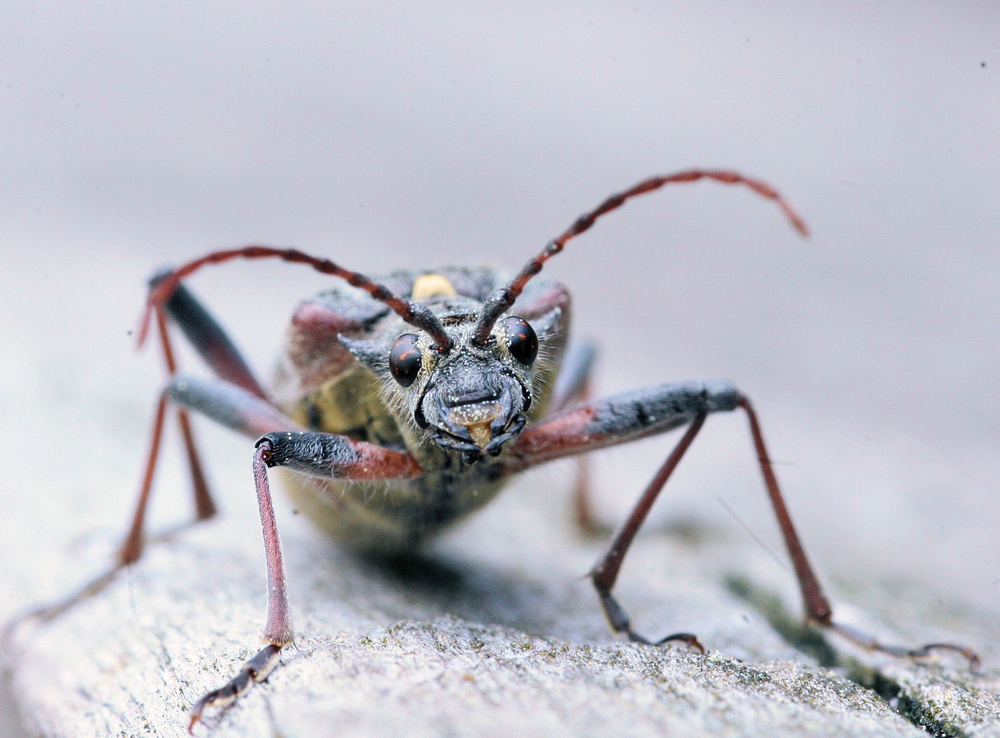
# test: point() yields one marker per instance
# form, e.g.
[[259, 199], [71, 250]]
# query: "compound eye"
[[521, 339], [404, 359]]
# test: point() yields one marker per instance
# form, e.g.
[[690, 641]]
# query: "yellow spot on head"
[[427, 286]]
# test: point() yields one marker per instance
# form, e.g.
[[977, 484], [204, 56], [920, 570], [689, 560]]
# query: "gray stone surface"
[[493, 633]]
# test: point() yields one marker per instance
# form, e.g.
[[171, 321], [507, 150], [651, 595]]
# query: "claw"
[[619, 622], [974, 661], [873, 644], [688, 639], [256, 669]]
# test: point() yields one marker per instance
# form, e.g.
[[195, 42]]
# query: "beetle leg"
[[573, 385], [641, 413], [204, 505], [817, 607], [618, 419], [211, 342], [131, 548], [214, 346], [256, 669], [336, 457], [278, 626], [605, 573], [281, 444], [573, 382], [227, 404], [207, 337], [319, 454]]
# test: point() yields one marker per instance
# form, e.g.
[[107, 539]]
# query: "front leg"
[[318, 454], [615, 420], [641, 413]]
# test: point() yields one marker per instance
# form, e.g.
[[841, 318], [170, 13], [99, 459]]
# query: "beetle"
[[403, 404]]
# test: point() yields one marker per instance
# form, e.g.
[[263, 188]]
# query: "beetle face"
[[473, 398]]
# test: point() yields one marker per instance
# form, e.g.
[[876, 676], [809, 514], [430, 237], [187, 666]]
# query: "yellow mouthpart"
[[477, 418]]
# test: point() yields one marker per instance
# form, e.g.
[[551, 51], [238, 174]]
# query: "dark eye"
[[404, 359], [521, 339]]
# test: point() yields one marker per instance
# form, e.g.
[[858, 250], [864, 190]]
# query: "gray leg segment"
[[336, 457], [229, 405], [207, 336], [619, 419], [573, 384], [211, 342], [573, 380], [654, 410]]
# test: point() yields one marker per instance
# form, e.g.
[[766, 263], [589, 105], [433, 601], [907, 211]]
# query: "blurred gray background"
[[420, 134]]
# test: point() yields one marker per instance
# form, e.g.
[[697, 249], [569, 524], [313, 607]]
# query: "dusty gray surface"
[[139, 136], [496, 633]]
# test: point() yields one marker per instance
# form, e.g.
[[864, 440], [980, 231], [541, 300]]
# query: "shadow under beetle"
[[402, 405]]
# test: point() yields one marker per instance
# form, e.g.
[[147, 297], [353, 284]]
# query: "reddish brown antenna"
[[413, 313], [503, 298]]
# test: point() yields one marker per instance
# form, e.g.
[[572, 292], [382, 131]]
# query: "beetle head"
[[473, 397]]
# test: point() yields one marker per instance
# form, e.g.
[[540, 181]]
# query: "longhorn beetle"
[[404, 404]]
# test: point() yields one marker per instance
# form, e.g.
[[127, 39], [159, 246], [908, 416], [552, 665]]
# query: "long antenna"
[[503, 298], [413, 313]]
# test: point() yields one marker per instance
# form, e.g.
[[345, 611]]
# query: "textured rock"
[[492, 633]]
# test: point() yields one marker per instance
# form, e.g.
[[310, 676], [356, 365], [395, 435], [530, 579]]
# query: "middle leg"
[[641, 413], [573, 384], [211, 341]]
